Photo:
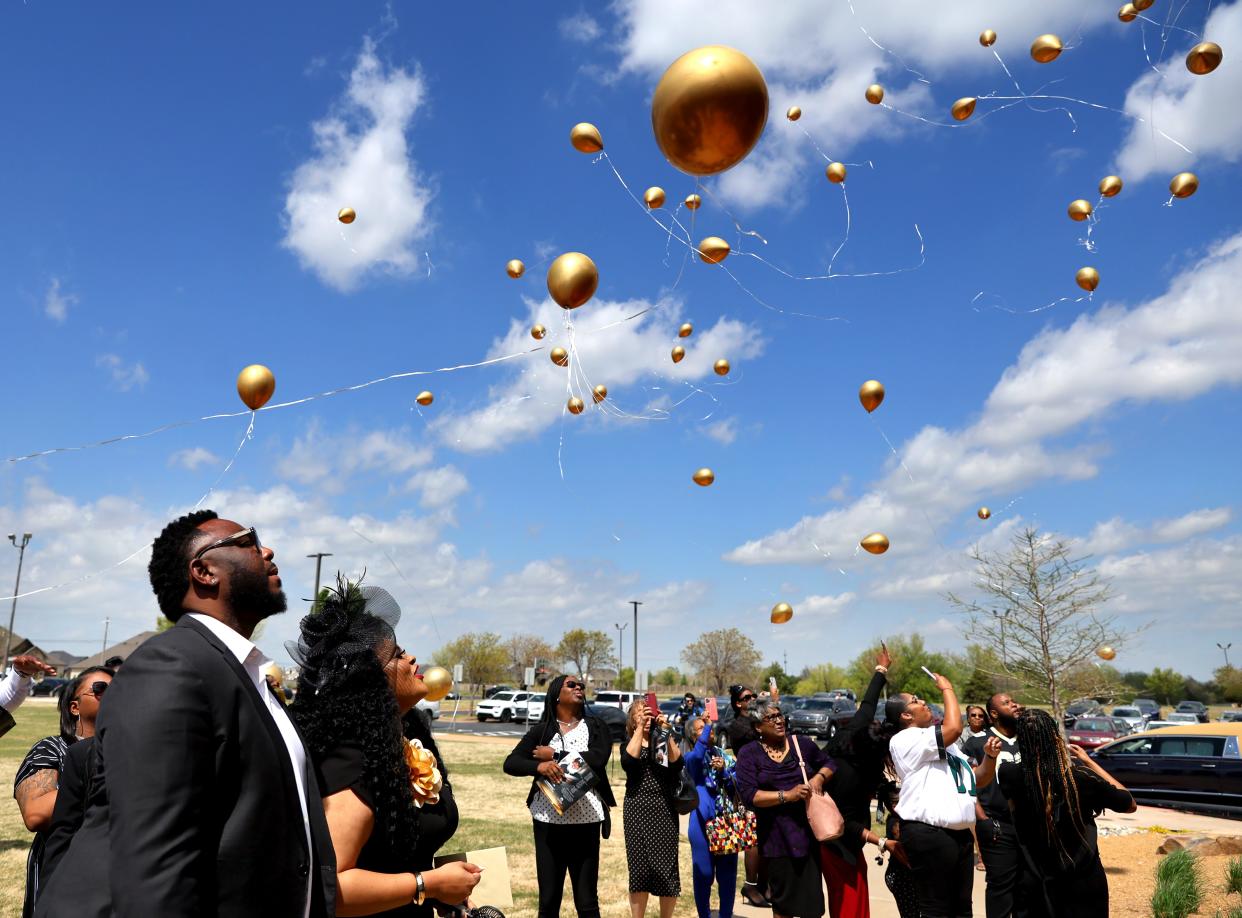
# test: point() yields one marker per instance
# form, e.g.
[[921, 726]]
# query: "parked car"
[[1083, 707], [612, 716], [1148, 706], [431, 708], [670, 707], [1160, 724], [1187, 766], [49, 686], [1124, 727], [1197, 708], [822, 717], [791, 703], [493, 689], [1132, 716], [1090, 732], [844, 693], [1182, 717], [503, 706], [1230, 717], [619, 700]]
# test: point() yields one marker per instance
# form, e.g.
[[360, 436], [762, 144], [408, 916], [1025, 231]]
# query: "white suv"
[[503, 706], [619, 700]]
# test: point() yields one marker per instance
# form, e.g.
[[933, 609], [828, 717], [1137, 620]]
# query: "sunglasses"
[[748, 697], [573, 684], [96, 688], [238, 538]]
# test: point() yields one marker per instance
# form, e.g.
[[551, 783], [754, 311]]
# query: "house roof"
[[123, 649]]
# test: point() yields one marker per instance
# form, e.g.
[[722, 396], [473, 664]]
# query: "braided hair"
[[1048, 778]]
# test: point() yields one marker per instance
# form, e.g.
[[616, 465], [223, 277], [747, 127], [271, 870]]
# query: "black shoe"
[[754, 898]]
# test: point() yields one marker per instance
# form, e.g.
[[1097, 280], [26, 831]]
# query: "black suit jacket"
[[198, 812]]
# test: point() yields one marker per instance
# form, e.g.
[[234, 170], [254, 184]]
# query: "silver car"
[[1132, 716]]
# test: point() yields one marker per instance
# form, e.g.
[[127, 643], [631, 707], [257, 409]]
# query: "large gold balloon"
[[1184, 184], [793, 113], [875, 94], [1110, 186], [1079, 210], [538, 332], [653, 197], [576, 405], [586, 138], [871, 393], [1046, 48], [693, 202], [781, 613], [713, 250], [1204, 58], [963, 108], [876, 543], [346, 215], [987, 38], [1105, 652], [560, 356], [679, 354], [1142, 5], [255, 385], [835, 173], [1128, 12], [439, 682], [515, 268], [685, 331], [424, 398], [704, 477], [721, 367], [599, 393], [984, 513], [1087, 278], [709, 109], [572, 280]]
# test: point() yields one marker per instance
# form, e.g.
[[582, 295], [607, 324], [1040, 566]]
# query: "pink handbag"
[[821, 810]]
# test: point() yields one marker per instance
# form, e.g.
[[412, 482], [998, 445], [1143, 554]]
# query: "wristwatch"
[[420, 890]]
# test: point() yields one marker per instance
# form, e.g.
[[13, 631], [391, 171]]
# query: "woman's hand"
[[883, 658], [544, 754], [453, 883], [551, 771], [797, 793], [718, 763], [1080, 754], [943, 684]]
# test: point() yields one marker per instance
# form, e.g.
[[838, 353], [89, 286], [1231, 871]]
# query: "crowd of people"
[[184, 784]]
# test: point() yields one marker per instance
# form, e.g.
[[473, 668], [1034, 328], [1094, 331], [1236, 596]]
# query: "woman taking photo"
[[714, 772], [1055, 792], [770, 776], [742, 732], [652, 764], [566, 837], [387, 800]]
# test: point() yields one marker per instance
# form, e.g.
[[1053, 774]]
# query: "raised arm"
[[951, 729]]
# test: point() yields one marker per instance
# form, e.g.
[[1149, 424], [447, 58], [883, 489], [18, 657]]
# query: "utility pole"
[[17, 588], [107, 622], [621, 656], [1224, 648], [635, 603], [318, 556]]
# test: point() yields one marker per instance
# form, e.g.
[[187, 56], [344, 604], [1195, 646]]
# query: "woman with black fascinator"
[[388, 804], [566, 754]]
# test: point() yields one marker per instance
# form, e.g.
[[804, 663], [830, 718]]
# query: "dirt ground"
[[1131, 860]]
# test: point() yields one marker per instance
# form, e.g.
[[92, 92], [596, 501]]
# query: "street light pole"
[[620, 655], [107, 622], [17, 588], [1224, 648], [318, 556], [635, 603]]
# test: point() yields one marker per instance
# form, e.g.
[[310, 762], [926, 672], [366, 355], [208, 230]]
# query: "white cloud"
[[630, 357], [580, 27], [125, 376], [1117, 534], [361, 160], [723, 432], [438, 487], [824, 605], [329, 460], [56, 303], [191, 459], [1200, 581], [1193, 109]]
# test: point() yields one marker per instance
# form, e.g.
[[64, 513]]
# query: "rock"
[[1203, 845]]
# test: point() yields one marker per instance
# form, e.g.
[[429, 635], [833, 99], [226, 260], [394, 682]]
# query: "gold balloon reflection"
[[572, 280], [685, 331], [538, 332], [721, 367], [1110, 186], [576, 405], [963, 108], [713, 250], [1204, 58], [1128, 12], [346, 215], [1087, 278], [781, 613], [704, 477], [693, 202], [599, 393], [679, 354], [793, 113], [560, 356], [987, 38], [1106, 652], [653, 197], [1184, 184], [1142, 5], [515, 268], [1079, 210], [1046, 48], [586, 138], [871, 393], [424, 398], [255, 385], [984, 513], [439, 682], [835, 173], [875, 93], [876, 543]]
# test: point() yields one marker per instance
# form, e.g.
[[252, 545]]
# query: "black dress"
[[47, 753], [342, 768], [651, 824]]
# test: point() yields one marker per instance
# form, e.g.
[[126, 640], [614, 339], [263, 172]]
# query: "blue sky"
[[172, 180]]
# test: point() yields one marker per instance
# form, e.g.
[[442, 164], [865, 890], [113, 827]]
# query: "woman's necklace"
[[775, 756], [568, 724]]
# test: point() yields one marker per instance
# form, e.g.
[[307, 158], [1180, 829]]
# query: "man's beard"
[[251, 593], [1006, 721]]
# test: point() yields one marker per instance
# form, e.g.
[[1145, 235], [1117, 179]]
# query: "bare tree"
[[722, 657], [586, 650], [1039, 609], [527, 650]]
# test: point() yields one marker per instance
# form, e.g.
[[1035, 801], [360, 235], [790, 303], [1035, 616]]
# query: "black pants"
[[942, 863], [1008, 885], [573, 849]]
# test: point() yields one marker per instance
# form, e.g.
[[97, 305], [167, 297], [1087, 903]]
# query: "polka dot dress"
[[651, 836], [589, 808]]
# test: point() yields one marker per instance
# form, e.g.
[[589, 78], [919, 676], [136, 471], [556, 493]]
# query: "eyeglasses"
[[573, 684], [749, 696], [774, 718], [96, 688], [237, 538]]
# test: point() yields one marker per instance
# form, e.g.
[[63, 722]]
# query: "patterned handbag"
[[733, 828]]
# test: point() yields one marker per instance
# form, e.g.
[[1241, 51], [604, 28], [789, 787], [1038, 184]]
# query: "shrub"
[[1233, 876], [1179, 888]]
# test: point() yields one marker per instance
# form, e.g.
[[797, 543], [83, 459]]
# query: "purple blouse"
[[783, 830]]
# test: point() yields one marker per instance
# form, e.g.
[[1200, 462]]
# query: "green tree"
[[785, 683], [1166, 685], [586, 650], [482, 656], [1229, 683], [526, 650], [909, 653], [979, 687], [625, 678], [668, 676], [722, 657], [163, 623], [821, 678]]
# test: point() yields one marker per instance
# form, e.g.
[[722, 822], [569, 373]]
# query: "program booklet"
[[578, 779]]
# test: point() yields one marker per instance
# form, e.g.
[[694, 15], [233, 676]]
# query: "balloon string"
[[833, 275], [703, 189], [246, 437], [913, 483], [828, 555], [898, 57], [76, 580], [1015, 312], [845, 199], [400, 573]]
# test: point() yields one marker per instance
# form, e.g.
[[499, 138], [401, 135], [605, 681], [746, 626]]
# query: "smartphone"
[[930, 674], [772, 685], [709, 710], [653, 704]]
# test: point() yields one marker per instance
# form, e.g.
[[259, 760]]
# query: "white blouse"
[[590, 808]]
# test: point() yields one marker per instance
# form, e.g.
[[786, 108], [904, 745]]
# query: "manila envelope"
[[494, 886]]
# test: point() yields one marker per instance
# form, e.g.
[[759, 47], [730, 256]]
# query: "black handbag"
[[687, 798]]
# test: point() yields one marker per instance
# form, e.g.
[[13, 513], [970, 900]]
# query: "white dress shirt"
[[253, 661], [937, 784], [14, 687]]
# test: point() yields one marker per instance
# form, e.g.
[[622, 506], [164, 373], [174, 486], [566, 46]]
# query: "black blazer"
[[194, 808], [73, 788], [521, 761]]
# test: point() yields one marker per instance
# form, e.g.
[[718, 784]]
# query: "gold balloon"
[[835, 173], [781, 613], [515, 268], [685, 331], [713, 250], [255, 385], [963, 108], [1110, 186], [693, 202], [871, 393], [987, 38], [709, 109], [346, 215], [1080, 210], [875, 94], [1128, 12], [424, 398], [572, 280], [586, 138], [984, 513], [793, 113], [721, 367], [679, 354], [1184, 184], [439, 682], [1087, 278], [1106, 652], [704, 477], [538, 332], [560, 356], [599, 393], [1204, 58], [1046, 48], [576, 405], [653, 197], [1141, 5], [876, 543]]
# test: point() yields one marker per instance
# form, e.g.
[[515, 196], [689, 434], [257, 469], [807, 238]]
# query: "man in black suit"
[[212, 807]]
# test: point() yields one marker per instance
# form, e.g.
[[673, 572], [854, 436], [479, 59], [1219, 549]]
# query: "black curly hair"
[[344, 699], [170, 561]]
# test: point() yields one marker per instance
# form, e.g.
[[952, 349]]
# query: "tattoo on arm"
[[41, 782]]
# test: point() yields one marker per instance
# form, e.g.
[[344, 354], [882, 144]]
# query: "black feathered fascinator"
[[347, 627]]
